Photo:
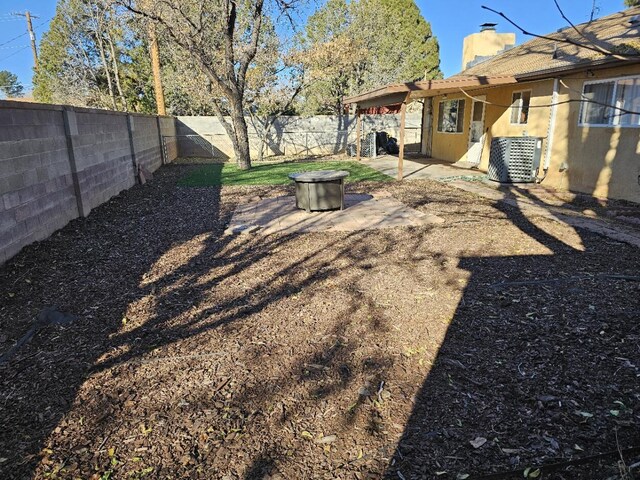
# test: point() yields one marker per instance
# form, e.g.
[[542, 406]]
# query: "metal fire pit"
[[320, 190]]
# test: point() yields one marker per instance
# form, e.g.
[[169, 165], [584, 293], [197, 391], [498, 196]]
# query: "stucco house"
[[577, 89]]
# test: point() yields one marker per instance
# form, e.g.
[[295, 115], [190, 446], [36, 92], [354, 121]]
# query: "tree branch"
[[619, 56], [566, 19], [250, 54]]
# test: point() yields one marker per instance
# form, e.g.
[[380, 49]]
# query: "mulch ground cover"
[[496, 342]]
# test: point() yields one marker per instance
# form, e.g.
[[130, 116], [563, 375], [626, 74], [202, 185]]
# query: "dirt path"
[[321, 355]]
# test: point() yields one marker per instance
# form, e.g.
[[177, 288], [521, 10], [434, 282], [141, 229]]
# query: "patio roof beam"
[[398, 93]]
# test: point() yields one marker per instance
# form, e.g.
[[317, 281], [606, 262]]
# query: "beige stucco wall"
[[453, 147], [600, 161], [498, 114], [484, 44]]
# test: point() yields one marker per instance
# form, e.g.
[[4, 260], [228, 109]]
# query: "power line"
[[25, 33], [12, 47], [14, 53], [15, 38]]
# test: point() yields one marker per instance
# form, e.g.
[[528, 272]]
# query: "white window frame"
[[519, 107], [615, 104], [440, 111]]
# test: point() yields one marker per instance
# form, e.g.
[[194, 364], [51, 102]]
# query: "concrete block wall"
[[103, 157], [36, 185], [168, 132], [146, 141], [57, 163], [291, 135]]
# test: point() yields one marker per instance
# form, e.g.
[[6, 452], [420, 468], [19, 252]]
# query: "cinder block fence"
[[58, 162]]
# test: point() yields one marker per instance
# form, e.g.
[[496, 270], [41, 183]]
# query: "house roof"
[[537, 58], [557, 52]]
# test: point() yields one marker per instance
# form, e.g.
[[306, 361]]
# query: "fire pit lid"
[[319, 176]]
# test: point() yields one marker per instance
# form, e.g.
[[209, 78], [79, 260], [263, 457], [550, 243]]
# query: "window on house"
[[597, 101], [628, 101], [611, 102], [520, 107], [451, 116]]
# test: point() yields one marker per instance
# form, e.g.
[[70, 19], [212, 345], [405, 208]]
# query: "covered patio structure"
[[400, 95]]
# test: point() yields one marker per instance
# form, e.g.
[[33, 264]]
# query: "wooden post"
[[32, 35], [155, 69], [358, 133], [403, 115]]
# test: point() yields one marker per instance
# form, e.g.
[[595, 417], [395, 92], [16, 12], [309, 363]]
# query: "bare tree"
[[223, 38]]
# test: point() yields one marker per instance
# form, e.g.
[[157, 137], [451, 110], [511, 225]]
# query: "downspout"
[[551, 131]]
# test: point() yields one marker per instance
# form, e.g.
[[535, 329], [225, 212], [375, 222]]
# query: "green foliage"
[[363, 44], [9, 85], [94, 55], [275, 173], [632, 3], [404, 46]]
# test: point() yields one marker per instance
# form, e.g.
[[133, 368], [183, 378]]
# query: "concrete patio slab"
[[548, 205], [362, 212], [421, 168]]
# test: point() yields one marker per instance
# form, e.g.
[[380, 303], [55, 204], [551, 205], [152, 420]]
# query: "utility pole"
[[155, 69], [32, 36]]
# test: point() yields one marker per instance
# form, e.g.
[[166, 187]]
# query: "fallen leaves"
[[327, 439], [583, 414], [150, 361], [478, 442], [530, 472]]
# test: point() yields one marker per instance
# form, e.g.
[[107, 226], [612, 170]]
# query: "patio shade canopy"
[[403, 93], [407, 92]]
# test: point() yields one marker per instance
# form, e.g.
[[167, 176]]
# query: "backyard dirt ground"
[[492, 343]]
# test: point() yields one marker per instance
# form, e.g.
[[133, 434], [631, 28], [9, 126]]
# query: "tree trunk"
[[241, 134], [103, 58], [116, 73]]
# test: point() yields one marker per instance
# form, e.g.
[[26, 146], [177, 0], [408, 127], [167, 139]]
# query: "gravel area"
[[490, 344]]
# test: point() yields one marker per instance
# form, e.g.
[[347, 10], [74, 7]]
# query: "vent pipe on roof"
[[488, 26]]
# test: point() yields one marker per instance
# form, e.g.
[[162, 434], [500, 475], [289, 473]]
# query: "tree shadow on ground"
[[202, 355], [92, 269], [534, 364], [147, 272]]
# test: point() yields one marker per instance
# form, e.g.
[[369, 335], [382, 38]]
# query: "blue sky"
[[15, 55], [451, 21]]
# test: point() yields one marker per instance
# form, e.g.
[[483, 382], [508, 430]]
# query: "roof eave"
[[569, 69], [398, 93]]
